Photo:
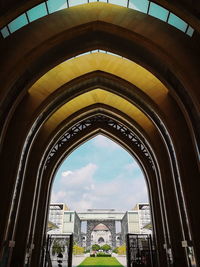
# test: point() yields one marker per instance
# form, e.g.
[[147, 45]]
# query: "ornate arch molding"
[[119, 128], [93, 120], [64, 95], [51, 104], [129, 99], [89, 122], [106, 122]]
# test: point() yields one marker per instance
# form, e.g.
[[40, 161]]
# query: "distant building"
[[72, 224], [56, 213], [101, 224], [130, 224], [101, 235], [94, 219], [144, 216]]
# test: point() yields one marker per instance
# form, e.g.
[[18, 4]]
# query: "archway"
[[102, 120], [101, 240], [102, 233], [88, 161], [136, 44]]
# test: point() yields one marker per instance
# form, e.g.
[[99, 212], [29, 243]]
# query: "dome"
[[101, 227]]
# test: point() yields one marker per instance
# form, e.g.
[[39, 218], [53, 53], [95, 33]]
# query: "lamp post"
[[59, 259]]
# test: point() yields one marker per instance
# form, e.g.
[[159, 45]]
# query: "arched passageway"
[[40, 110]]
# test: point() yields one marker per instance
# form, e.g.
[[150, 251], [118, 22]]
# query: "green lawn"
[[100, 261]]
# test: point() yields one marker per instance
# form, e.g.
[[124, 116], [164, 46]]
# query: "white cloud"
[[80, 177], [79, 190], [133, 166], [104, 142], [67, 173], [58, 196]]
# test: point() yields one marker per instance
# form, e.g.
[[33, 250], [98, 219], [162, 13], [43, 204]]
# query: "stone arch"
[[110, 224], [146, 47], [169, 76], [101, 240], [150, 174]]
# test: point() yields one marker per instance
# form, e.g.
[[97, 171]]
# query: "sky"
[[99, 174]]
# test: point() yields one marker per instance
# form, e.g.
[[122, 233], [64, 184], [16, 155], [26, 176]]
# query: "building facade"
[[56, 216], [144, 217], [100, 224], [101, 235]]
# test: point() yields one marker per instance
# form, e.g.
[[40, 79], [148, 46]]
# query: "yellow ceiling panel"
[[98, 96], [86, 63]]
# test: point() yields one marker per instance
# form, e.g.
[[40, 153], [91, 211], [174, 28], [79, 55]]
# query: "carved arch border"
[[57, 99], [123, 89], [110, 123], [149, 172]]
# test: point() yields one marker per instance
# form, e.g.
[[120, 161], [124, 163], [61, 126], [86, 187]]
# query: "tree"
[[106, 247], [57, 247], [77, 250], [115, 250], [95, 247]]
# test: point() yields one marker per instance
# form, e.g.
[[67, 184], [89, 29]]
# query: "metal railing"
[[140, 251], [58, 250]]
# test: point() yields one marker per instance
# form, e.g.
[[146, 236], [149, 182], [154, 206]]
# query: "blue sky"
[[99, 174]]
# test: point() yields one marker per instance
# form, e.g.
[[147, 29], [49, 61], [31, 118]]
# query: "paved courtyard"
[[121, 259], [76, 260]]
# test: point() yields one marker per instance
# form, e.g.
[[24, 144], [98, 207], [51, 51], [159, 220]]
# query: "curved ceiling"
[[75, 67], [48, 41], [188, 11], [98, 96], [121, 67], [138, 77], [32, 47], [51, 6]]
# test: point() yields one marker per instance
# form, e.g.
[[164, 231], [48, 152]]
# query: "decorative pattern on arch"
[[91, 224], [110, 123]]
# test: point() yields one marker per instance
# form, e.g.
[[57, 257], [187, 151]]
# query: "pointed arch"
[[22, 153]]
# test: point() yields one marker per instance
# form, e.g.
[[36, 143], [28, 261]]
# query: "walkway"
[[76, 260], [121, 259]]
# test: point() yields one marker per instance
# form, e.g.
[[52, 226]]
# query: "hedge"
[[101, 254]]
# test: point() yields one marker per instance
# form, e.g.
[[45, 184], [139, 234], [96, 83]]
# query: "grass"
[[100, 261]]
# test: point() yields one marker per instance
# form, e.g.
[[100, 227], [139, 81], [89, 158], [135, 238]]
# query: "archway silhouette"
[[100, 123], [23, 155], [85, 161]]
